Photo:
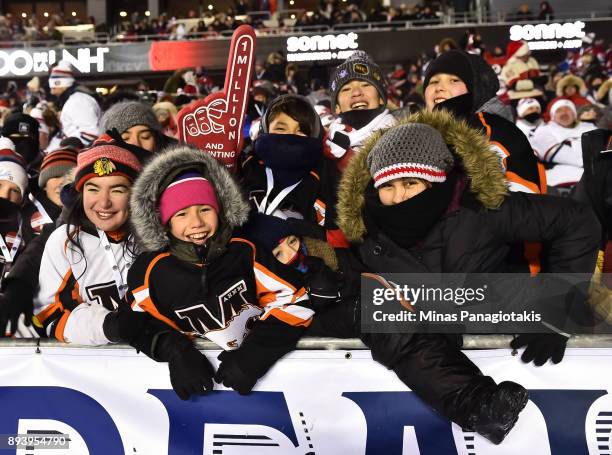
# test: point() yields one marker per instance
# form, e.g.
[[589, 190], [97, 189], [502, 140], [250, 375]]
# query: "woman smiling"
[[84, 266]]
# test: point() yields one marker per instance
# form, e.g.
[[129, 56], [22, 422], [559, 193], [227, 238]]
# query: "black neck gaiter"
[[460, 106], [410, 221], [360, 118]]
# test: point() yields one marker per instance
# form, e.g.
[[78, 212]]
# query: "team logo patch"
[[360, 68], [104, 166], [24, 128]]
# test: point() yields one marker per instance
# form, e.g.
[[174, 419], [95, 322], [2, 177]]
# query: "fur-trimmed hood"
[[568, 80], [480, 164], [150, 233]]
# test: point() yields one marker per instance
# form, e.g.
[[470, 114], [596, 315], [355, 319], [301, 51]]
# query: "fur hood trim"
[[144, 199], [568, 80], [472, 152]]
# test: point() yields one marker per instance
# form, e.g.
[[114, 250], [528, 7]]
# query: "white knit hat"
[[525, 104], [559, 104], [12, 165], [62, 75]]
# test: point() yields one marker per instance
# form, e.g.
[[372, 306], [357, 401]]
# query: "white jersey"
[[527, 128], [561, 147], [79, 288], [80, 117]]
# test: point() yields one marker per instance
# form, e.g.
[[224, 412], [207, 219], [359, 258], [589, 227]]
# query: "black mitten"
[[231, 375], [190, 371], [321, 283], [17, 299], [540, 347], [269, 340], [129, 326]]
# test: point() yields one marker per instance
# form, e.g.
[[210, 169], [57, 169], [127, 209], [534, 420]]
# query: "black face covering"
[[533, 117], [9, 216], [360, 117], [27, 147], [460, 106], [410, 221], [289, 156]]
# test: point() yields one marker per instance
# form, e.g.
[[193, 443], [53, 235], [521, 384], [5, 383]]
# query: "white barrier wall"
[[113, 401]]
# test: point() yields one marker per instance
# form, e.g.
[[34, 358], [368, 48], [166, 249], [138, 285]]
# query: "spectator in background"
[[571, 88], [137, 124], [294, 81], [558, 144], [22, 129], [80, 112], [529, 116], [589, 113], [520, 65], [21, 284], [593, 82], [166, 113], [13, 189], [524, 13], [604, 93], [546, 12]]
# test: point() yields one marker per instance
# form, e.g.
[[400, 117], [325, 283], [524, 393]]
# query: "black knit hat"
[[451, 62], [267, 231], [480, 79], [21, 125], [358, 66]]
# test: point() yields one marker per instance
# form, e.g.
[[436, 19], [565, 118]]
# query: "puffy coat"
[[482, 222]]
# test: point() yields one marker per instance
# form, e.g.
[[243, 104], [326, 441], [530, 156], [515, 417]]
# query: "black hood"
[[481, 80]]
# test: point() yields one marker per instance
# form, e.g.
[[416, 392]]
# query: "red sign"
[[214, 124]]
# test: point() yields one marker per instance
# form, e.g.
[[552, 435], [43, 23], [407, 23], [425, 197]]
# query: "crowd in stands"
[[27, 29], [467, 159]]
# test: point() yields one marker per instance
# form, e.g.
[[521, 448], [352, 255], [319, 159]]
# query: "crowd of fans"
[[27, 29], [465, 160]]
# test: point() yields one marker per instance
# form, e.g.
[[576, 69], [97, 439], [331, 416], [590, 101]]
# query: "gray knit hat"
[[127, 114], [358, 66], [410, 150]]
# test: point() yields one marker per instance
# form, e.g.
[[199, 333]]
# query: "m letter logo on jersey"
[[225, 322]]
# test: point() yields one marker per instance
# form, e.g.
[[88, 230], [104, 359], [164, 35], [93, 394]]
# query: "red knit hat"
[[56, 164], [105, 157]]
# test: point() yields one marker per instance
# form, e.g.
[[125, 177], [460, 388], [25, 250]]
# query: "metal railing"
[[470, 342], [447, 20]]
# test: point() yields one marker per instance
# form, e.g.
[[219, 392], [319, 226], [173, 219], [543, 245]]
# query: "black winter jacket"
[[482, 223]]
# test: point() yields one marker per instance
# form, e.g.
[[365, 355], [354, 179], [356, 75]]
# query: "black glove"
[[190, 371], [269, 340], [137, 328], [540, 347], [321, 283], [17, 299], [231, 375]]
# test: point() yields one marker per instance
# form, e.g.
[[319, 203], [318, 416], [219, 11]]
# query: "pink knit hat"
[[187, 189]]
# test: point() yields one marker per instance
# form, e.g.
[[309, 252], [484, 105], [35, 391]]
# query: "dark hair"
[[298, 109]]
